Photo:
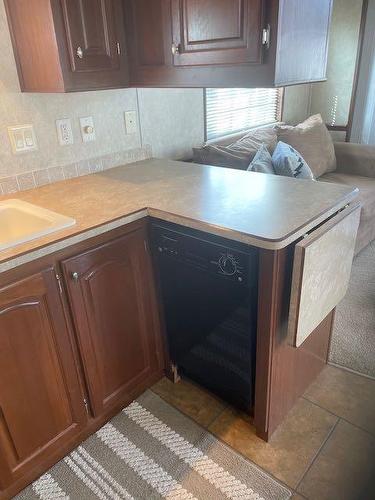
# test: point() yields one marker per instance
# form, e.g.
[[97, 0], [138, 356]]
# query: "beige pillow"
[[255, 138], [313, 141]]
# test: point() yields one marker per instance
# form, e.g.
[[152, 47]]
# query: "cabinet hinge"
[[86, 405], [266, 34], [58, 279], [118, 48]]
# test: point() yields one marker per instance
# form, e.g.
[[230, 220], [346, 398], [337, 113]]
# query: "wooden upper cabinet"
[[91, 35], [216, 32], [227, 43], [111, 295], [41, 405], [68, 45]]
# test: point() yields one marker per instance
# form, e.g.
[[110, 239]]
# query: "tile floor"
[[324, 450]]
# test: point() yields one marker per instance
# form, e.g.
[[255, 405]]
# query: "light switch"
[[131, 122], [22, 138], [64, 132], [87, 129]]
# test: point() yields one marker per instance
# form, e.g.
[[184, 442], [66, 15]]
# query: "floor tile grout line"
[[217, 416], [353, 372], [372, 434], [218, 438], [317, 453]]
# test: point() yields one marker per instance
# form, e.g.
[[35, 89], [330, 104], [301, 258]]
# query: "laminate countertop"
[[262, 210]]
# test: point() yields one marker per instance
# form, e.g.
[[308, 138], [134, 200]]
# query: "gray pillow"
[[287, 161], [223, 156], [262, 161]]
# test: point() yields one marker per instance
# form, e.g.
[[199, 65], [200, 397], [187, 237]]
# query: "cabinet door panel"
[[40, 400], [91, 34], [113, 315], [217, 31]]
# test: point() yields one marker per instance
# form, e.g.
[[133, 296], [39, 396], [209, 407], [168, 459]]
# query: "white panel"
[[302, 44], [321, 273]]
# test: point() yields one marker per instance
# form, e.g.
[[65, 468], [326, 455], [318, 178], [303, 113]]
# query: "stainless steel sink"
[[21, 222]]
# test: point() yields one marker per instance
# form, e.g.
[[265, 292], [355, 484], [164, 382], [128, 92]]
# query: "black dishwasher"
[[209, 294]]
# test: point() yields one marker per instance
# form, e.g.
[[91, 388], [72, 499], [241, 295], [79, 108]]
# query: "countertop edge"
[[224, 232]]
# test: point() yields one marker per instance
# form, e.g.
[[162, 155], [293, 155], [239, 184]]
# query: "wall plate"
[[131, 122], [64, 131], [87, 129], [22, 138]]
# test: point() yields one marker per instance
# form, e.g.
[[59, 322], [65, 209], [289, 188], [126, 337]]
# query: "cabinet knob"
[[175, 48], [79, 52], [75, 276]]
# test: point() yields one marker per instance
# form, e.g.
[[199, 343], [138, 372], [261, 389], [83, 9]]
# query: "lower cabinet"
[[62, 377], [111, 294], [41, 404]]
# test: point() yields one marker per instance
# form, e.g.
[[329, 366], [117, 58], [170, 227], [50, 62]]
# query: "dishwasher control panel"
[[202, 251]]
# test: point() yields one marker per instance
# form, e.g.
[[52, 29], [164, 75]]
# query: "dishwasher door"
[[210, 316]]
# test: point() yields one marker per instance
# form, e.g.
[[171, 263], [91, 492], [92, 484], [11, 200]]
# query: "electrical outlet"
[[87, 129], [22, 139], [131, 122], [64, 132]]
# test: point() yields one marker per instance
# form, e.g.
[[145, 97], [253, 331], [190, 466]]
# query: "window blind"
[[232, 110]]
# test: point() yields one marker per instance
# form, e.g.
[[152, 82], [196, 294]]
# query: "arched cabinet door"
[[41, 405], [111, 294]]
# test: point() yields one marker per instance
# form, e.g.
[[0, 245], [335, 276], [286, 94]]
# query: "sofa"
[[354, 166]]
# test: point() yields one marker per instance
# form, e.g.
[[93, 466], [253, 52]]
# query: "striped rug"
[[152, 451]]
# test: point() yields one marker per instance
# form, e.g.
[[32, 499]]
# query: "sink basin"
[[21, 222]]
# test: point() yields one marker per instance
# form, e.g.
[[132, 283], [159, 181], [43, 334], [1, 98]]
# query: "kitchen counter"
[[262, 210]]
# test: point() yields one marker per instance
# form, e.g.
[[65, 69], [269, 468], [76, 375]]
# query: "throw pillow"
[[312, 139], [256, 138], [262, 162], [237, 154], [287, 161], [223, 156]]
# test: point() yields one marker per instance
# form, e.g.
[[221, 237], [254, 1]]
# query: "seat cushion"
[[366, 186]]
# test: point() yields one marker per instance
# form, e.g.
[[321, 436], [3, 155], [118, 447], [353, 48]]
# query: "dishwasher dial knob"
[[228, 265]]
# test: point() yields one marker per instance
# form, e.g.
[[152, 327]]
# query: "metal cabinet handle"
[[79, 52], [175, 48], [75, 276]]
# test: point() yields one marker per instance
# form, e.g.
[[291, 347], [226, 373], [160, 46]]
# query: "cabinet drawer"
[[321, 273]]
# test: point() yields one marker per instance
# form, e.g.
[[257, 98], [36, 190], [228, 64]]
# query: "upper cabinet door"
[[217, 32], [92, 39], [111, 294], [41, 405]]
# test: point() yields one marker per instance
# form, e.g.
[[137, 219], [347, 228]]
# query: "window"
[[232, 110]]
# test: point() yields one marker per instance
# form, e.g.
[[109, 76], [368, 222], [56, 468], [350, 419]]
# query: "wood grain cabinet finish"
[[216, 32], [227, 43], [41, 405], [68, 45], [110, 290]]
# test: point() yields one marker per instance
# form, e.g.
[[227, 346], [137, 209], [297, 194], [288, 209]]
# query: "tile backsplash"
[[36, 178]]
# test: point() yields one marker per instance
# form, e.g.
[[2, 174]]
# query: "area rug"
[[353, 337], [152, 451]]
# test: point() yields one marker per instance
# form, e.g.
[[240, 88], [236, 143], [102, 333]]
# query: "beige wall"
[[171, 122], [296, 103], [332, 98]]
